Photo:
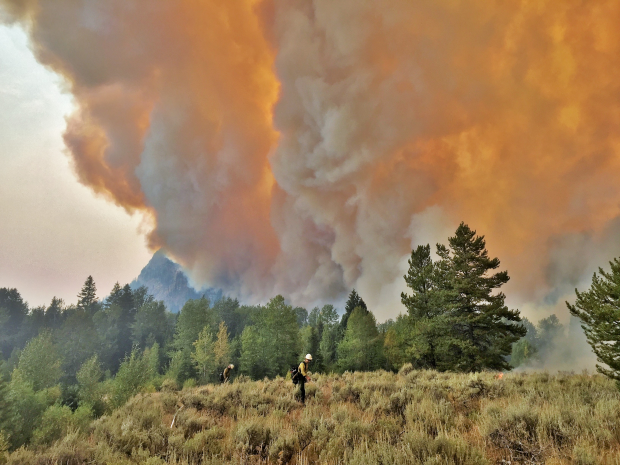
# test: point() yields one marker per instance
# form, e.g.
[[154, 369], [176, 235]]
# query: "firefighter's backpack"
[[295, 374]]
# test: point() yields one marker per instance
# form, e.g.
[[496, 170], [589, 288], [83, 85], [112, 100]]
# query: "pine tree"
[[599, 311], [13, 312], [353, 302], [483, 329], [420, 280], [87, 298], [151, 325], [53, 313], [310, 341], [424, 307]]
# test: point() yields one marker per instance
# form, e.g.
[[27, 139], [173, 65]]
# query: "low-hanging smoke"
[[303, 147]]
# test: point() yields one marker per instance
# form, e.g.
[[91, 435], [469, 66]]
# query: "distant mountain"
[[168, 282]]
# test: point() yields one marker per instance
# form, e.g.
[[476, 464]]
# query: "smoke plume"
[[303, 147]]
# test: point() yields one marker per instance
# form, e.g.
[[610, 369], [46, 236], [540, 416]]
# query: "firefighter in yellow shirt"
[[226, 373], [303, 377]]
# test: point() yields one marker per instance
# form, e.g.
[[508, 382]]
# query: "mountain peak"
[[167, 281]]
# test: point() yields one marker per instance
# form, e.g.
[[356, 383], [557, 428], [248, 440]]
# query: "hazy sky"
[[54, 232]]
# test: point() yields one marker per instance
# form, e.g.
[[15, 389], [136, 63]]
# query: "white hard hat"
[[232, 366], [309, 357]]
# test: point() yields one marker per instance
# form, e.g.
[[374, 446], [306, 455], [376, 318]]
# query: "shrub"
[[189, 383], [169, 385], [206, 442], [252, 437]]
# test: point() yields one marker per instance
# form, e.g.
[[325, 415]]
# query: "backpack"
[[221, 377], [295, 374]]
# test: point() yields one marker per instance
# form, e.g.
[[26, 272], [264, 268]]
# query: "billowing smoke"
[[303, 147]]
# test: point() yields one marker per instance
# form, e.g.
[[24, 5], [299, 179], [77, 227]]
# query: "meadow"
[[409, 417]]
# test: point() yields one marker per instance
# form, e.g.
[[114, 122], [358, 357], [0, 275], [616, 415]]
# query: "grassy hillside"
[[359, 418]]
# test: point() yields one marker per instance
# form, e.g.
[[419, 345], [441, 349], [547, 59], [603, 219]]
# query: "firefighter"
[[303, 377], [226, 373]]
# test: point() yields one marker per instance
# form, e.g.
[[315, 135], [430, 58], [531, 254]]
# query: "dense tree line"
[[70, 363]]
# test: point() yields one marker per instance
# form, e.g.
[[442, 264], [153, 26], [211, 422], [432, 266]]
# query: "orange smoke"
[[387, 123], [503, 114]]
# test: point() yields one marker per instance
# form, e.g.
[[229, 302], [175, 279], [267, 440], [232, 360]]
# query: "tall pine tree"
[[483, 329], [87, 298], [599, 311], [425, 320]]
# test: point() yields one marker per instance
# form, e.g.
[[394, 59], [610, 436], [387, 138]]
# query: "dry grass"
[[413, 417]]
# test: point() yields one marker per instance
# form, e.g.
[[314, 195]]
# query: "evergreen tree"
[[77, 340], [13, 311], [87, 298], [120, 303], [53, 313], [33, 323], [141, 297], [598, 308], [227, 310], [483, 329], [353, 302], [425, 309], [421, 280], [310, 342]]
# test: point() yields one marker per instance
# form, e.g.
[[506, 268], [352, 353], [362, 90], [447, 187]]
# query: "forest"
[[65, 365]]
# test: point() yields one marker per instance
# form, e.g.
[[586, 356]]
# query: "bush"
[[252, 437], [169, 385]]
